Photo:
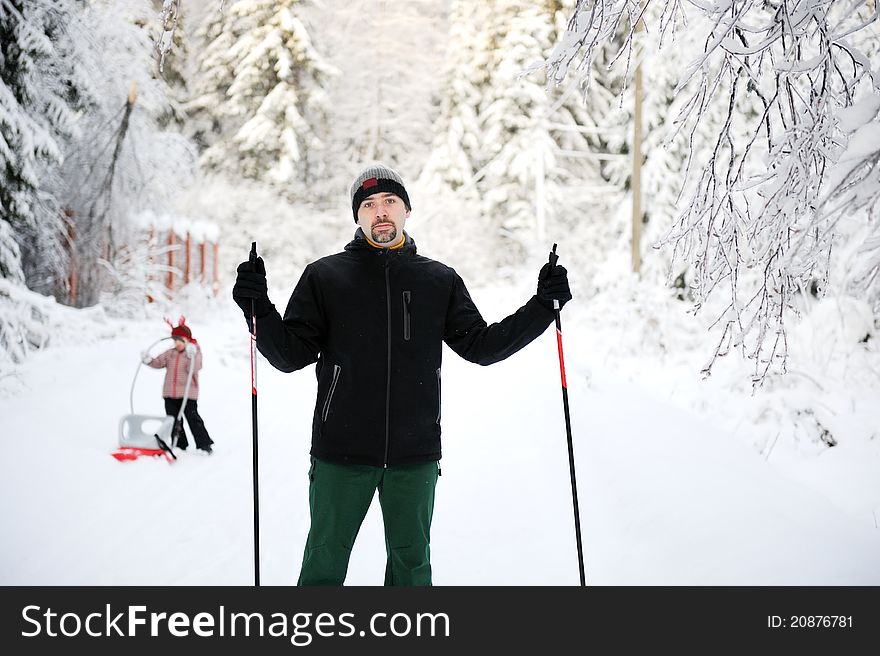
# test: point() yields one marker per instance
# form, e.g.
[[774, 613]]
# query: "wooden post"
[[636, 186], [151, 242], [72, 277], [172, 240], [186, 266], [215, 283], [202, 263], [540, 198]]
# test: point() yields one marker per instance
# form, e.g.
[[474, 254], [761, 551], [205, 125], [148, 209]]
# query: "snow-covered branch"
[[169, 16], [791, 100]]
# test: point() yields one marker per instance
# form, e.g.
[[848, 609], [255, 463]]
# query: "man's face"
[[382, 216], [179, 343]]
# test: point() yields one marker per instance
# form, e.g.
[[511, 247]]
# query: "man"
[[374, 318]]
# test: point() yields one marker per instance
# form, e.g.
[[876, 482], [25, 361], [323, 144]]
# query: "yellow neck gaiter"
[[393, 248]]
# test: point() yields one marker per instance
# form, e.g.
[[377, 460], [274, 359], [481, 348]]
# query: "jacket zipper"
[[406, 320], [174, 379], [336, 371], [439, 396], [388, 378]]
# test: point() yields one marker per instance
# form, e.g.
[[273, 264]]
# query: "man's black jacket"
[[374, 320]]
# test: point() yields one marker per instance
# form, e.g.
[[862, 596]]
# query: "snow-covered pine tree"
[[456, 154], [447, 184], [35, 118], [513, 115], [260, 88], [526, 136], [499, 131], [214, 75], [39, 89], [387, 53]]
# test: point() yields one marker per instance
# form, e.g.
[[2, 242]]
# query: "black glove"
[[250, 285], [553, 286]]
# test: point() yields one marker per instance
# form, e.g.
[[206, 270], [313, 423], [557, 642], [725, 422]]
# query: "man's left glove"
[[190, 350], [250, 285], [553, 286]]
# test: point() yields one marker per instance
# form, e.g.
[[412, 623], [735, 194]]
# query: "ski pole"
[[574, 495], [164, 446], [253, 261]]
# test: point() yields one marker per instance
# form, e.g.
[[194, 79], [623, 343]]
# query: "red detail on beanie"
[[181, 329], [369, 183]]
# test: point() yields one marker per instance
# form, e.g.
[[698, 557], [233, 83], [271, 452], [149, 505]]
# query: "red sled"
[[133, 453], [144, 435]]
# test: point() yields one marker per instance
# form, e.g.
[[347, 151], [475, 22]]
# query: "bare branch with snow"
[[169, 16], [792, 104]]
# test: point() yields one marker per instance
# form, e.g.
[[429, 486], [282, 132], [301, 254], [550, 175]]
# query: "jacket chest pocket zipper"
[[407, 297], [336, 371]]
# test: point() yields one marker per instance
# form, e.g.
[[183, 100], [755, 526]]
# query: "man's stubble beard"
[[383, 236]]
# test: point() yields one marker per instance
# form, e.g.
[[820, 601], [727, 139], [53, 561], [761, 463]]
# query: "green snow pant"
[[339, 497]]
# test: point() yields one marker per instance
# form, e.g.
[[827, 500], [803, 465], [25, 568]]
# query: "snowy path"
[[666, 498]]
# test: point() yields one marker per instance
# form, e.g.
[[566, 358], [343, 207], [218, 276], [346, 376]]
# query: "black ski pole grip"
[[553, 256], [253, 256]]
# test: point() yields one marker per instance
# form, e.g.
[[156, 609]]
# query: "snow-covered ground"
[[678, 483]]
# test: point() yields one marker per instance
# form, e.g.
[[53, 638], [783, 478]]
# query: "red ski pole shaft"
[[571, 468], [253, 340]]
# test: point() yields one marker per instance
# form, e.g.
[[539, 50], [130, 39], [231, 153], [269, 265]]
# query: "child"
[[177, 361]]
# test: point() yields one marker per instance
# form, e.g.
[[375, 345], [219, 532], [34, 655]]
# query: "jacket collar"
[[360, 243]]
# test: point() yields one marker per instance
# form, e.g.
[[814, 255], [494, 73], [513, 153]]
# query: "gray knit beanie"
[[376, 179]]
